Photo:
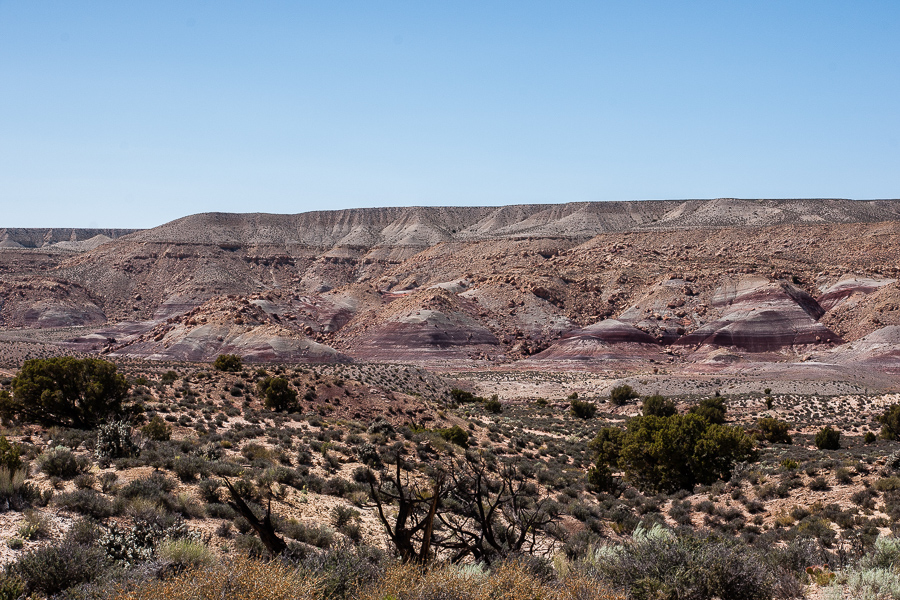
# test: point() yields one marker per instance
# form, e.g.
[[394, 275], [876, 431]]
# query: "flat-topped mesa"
[[425, 226], [65, 238]]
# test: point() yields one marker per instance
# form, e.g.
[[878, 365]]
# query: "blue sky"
[[130, 114]]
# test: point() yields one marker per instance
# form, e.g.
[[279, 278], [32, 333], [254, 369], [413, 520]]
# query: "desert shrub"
[[658, 406], [85, 481], [711, 409], [66, 391], [35, 526], [60, 462], [314, 535], [345, 569], [368, 455], [16, 490], [381, 427], [888, 484], [869, 438], [185, 553], [872, 583], [157, 429], [277, 393], [228, 362], [818, 484], [139, 542], [843, 476], [108, 481], [342, 515], [114, 441], [155, 487], [828, 439], [621, 394], [209, 490], [773, 430], [188, 467], [216, 510], [582, 409], [15, 543], [658, 564], [678, 452], [11, 587], [493, 405], [52, 569], [10, 454], [885, 554], [87, 502], [455, 435]]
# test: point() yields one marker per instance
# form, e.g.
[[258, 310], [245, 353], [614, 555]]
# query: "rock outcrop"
[[759, 316]]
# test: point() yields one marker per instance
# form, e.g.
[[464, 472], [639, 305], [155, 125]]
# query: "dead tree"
[[492, 511], [417, 505], [263, 528]]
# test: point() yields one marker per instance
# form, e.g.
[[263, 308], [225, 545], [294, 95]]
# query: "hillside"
[[717, 286]]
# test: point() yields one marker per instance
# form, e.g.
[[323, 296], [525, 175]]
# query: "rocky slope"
[[710, 286]]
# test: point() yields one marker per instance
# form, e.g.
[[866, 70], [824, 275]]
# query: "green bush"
[[711, 409], [582, 409], [890, 422], [455, 435], [828, 439], [461, 396], [278, 393], [665, 454], [493, 405], [10, 455], [620, 395], [66, 391], [869, 438], [658, 406], [228, 362], [157, 429], [605, 448], [773, 430]]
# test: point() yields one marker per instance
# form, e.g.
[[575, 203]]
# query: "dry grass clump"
[[236, 579], [510, 581]]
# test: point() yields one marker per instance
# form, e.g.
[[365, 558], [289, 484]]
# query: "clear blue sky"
[[130, 114]]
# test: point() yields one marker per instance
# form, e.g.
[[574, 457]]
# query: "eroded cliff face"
[[695, 284]]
